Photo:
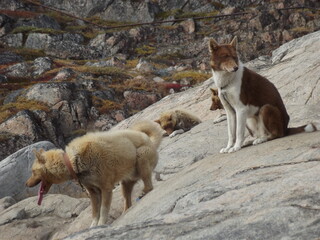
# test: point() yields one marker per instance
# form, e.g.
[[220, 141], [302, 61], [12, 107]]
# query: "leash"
[[73, 174]]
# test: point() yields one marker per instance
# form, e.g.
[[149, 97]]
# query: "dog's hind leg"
[[144, 167], [95, 197], [270, 124], [106, 197], [127, 187]]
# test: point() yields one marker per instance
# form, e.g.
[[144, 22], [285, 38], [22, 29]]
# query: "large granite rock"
[[16, 169]]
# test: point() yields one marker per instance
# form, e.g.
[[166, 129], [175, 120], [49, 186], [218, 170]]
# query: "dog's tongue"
[[40, 193]]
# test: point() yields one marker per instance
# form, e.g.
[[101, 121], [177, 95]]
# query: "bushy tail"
[[311, 127], [152, 129]]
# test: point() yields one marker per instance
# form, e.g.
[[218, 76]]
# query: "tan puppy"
[[100, 160], [177, 122], [216, 103]]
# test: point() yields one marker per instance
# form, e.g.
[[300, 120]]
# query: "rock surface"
[[16, 169], [269, 191]]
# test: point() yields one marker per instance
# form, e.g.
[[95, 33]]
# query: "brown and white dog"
[[249, 99]]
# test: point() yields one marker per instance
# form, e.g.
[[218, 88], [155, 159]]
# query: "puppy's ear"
[[234, 42], [213, 45], [214, 91], [157, 121], [38, 155]]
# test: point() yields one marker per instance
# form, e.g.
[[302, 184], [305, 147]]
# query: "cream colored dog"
[[177, 121], [99, 160]]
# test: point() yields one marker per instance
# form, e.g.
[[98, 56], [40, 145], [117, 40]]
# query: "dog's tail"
[[311, 127], [152, 129]]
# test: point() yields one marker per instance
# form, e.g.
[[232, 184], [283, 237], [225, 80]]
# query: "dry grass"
[[193, 76], [19, 14], [10, 109], [145, 50], [105, 106], [30, 29], [28, 53]]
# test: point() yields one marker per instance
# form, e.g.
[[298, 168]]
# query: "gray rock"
[[6, 202], [9, 57], [3, 79], [41, 40], [23, 123], [131, 11], [19, 70], [16, 169], [5, 24], [41, 21], [11, 4], [71, 49], [12, 40], [51, 93], [43, 221], [41, 65], [81, 9], [12, 96]]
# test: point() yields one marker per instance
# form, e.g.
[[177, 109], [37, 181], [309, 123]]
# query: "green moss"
[[167, 14], [145, 50], [194, 76], [29, 29], [28, 53]]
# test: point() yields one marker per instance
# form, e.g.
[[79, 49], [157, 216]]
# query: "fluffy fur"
[[215, 100], [100, 160], [249, 99], [177, 122]]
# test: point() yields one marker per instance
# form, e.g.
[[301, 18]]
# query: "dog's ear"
[[213, 45], [157, 121], [214, 91], [38, 155], [234, 42]]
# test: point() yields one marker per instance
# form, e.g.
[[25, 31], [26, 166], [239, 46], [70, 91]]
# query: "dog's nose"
[[235, 69]]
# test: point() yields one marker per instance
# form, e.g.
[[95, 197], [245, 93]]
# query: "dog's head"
[[216, 103], [167, 122], [39, 172], [224, 57]]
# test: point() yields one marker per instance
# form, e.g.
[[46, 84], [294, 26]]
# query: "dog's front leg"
[[231, 120], [241, 117], [95, 205], [106, 197]]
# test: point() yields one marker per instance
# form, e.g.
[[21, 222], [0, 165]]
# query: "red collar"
[[69, 166]]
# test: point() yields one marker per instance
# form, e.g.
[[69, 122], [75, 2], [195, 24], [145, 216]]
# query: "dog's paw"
[[259, 140], [224, 150], [141, 196], [94, 223], [220, 119], [176, 132], [234, 149]]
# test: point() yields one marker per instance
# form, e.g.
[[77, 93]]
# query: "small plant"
[[111, 71], [194, 76], [301, 30], [145, 50], [105, 106], [28, 53], [132, 63]]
